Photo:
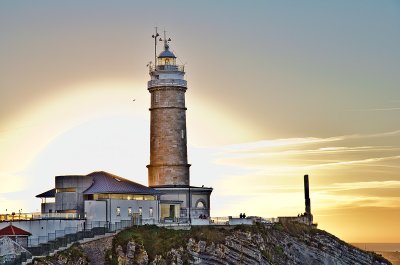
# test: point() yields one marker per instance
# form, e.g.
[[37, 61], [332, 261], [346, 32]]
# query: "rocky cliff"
[[258, 244], [285, 244]]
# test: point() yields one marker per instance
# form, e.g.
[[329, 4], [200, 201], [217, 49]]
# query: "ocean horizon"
[[392, 247]]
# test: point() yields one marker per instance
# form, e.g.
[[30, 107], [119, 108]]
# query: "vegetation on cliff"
[[277, 244], [71, 256], [288, 243]]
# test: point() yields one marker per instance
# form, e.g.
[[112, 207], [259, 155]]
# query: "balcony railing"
[[38, 216], [166, 82], [167, 67]]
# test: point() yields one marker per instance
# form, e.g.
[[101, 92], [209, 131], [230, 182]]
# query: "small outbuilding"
[[15, 233]]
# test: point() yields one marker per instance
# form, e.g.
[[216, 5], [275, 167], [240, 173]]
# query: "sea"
[[389, 247]]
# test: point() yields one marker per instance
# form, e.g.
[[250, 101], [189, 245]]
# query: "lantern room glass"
[[166, 61]]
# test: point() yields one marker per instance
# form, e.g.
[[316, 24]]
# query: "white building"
[[102, 197]]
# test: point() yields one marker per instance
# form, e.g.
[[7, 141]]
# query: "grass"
[[159, 241], [71, 255]]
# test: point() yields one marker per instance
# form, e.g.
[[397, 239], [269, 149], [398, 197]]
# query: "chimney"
[[307, 195]]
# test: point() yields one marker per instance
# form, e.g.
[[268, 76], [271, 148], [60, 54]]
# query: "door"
[[172, 211]]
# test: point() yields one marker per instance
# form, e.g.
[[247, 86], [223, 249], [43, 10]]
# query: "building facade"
[[101, 197]]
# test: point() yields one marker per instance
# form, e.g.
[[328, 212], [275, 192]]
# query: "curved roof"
[[47, 194], [104, 182], [166, 54]]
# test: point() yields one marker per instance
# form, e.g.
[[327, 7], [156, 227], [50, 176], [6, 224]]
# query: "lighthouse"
[[168, 170], [168, 144]]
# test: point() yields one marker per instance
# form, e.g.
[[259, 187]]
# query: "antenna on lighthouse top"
[[166, 41], [155, 46]]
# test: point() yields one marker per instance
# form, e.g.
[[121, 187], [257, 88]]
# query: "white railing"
[[37, 216], [166, 82], [56, 216], [167, 67]]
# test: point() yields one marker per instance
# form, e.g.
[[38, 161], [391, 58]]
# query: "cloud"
[[279, 143], [341, 166], [352, 162], [303, 141], [377, 109]]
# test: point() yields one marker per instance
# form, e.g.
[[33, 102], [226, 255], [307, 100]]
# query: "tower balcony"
[[167, 68], [166, 82]]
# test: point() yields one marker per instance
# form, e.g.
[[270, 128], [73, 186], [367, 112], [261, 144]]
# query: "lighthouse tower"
[[168, 170], [168, 145]]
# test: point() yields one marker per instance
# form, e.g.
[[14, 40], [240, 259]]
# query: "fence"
[[88, 230], [44, 245], [37, 216]]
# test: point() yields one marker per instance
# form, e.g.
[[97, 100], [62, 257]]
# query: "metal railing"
[[37, 216], [220, 220], [167, 67]]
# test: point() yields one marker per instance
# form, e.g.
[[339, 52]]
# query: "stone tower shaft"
[[168, 144]]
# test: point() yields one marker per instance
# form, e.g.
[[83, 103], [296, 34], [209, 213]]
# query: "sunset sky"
[[276, 90]]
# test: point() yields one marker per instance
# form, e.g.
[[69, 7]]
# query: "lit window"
[[151, 211], [129, 211], [200, 204], [140, 210], [65, 190], [118, 211]]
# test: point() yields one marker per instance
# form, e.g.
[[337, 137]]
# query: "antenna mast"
[[155, 46], [166, 41]]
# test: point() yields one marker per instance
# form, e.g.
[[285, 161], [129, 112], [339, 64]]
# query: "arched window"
[[200, 204]]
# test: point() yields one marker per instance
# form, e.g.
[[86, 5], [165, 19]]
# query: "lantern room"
[[166, 57]]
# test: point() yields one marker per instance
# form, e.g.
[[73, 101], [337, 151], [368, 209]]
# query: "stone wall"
[[168, 141]]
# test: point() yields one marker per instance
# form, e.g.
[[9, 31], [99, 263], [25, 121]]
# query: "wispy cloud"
[[376, 109], [352, 162], [288, 142], [345, 169], [280, 143]]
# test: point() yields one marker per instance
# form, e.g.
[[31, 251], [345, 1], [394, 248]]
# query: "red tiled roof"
[[13, 231]]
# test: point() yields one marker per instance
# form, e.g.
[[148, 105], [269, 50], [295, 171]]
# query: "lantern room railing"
[[167, 68]]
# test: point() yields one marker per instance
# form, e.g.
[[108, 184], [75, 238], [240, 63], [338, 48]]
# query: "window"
[[118, 211], [65, 190], [157, 97], [140, 211], [183, 134], [200, 204], [129, 211], [151, 212]]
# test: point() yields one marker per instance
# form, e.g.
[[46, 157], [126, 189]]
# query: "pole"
[[190, 206], [155, 48]]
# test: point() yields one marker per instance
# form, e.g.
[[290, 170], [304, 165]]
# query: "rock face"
[[135, 254], [280, 245], [73, 255], [96, 250]]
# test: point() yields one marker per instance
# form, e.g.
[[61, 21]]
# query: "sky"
[[276, 90]]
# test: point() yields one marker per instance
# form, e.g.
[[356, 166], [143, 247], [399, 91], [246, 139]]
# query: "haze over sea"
[[392, 247]]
